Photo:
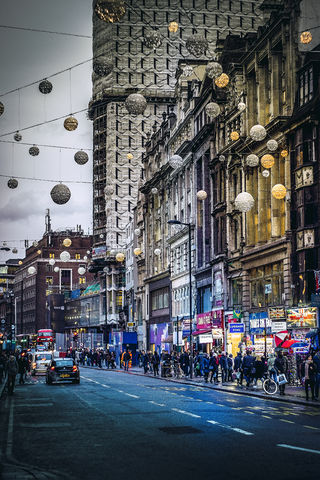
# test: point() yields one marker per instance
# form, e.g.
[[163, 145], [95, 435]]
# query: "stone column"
[[262, 208], [275, 204]]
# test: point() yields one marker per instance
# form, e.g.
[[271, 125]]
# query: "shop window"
[[236, 286], [306, 86], [78, 256], [266, 285], [204, 299]]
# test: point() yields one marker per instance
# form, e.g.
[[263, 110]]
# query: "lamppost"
[[189, 225]]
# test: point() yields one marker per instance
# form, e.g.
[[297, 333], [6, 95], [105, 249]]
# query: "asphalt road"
[[119, 426]]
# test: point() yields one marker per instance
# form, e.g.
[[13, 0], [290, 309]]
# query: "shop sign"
[[237, 313], [278, 327], [302, 317], [236, 328], [186, 328], [205, 338], [218, 288], [204, 321], [99, 251], [217, 333], [258, 322], [217, 318], [277, 313]]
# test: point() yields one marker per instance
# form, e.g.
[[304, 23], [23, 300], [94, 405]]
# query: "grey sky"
[[24, 58]]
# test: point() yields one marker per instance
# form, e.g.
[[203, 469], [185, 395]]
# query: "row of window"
[[160, 299]]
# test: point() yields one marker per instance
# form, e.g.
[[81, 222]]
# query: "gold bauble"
[[20, 262], [137, 251], [267, 161], [234, 136], [173, 27], [306, 37], [129, 156], [120, 257], [222, 81], [39, 252], [284, 153], [70, 124], [110, 11], [67, 242], [279, 191]]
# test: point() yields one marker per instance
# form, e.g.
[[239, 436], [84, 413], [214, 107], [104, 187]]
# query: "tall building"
[[139, 54]]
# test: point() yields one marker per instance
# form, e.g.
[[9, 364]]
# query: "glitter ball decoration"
[[31, 270], [56, 269], [279, 191], [14, 250], [173, 27], [102, 67], [45, 87], [202, 195], [306, 37], [154, 191], [197, 45], [17, 137], [81, 157], [65, 256], [222, 158], [35, 243], [284, 153], [110, 11], [234, 136], [137, 251], [52, 261], [39, 252], [137, 232], [212, 109], [241, 106], [157, 252], [272, 145], [85, 258], [20, 262], [34, 151], [175, 161], [120, 257], [265, 173], [129, 156], [213, 69], [258, 133], [60, 194], [153, 39], [252, 160], [70, 124], [109, 190], [187, 71], [244, 202], [1, 108], [12, 183], [267, 161], [136, 104], [67, 242], [81, 270], [222, 81]]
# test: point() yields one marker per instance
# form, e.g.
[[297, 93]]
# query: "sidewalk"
[[294, 395]]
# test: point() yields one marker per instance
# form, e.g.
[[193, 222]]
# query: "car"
[[62, 370], [40, 361]]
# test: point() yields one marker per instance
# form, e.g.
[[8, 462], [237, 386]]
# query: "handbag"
[[282, 379]]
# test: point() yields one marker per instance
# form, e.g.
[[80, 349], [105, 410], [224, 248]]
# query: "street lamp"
[[189, 225]]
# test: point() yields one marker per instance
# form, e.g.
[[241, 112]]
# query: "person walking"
[[145, 361], [223, 362], [22, 368], [237, 368], [247, 366], [310, 371], [155, 360], [3, 363], [126, 358], [213, 368], [281, 365], [316, 361], [12, 370], [271, 368], [230, 367], [258, 370], [206, 367]]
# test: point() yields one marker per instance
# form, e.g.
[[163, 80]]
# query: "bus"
[[45, 337]]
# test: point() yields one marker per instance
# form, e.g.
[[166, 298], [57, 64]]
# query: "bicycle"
[[270, 386]]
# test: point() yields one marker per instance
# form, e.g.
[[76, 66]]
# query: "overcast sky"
[[26, 57]]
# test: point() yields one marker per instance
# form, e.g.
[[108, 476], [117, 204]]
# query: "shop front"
[[300, 322], [260, 333], [203, 331], [235, 330], [160, 337]]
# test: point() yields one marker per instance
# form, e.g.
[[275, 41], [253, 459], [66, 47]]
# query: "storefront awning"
[[199, 332]]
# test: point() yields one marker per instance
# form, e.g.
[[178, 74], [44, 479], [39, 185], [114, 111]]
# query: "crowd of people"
[[13, 364]]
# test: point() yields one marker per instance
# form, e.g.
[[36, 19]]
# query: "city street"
[[117, 425]]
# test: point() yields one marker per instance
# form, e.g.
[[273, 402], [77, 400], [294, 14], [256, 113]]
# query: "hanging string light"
[[258, 133], [284, 153], [241, 106], [102, 67], [120, 257], [202, 195]]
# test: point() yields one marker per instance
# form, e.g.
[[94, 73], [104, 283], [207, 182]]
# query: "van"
[[40, 361]]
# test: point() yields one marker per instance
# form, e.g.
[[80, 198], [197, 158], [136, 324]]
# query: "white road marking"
[[106, 386], [130, 395], [283, 445], [185, 413], [228, 427], [155, 403]]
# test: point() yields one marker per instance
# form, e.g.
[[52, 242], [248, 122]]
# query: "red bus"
[[45, 335]]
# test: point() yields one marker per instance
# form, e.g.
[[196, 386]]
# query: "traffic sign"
[[3, 320]]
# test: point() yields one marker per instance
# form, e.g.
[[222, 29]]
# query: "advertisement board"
[[204, 321], [258, 322], [236, 328], [302, 317]]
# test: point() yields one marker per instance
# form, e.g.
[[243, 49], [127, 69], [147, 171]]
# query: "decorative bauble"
[[110, 11], [136, 104], [187, 71], [241, 106], [60, 194], [45, 87], [173, 27], [175, 161], [65, 256], [12, 183], [306, 37], [154, 191], [258, 133], [85, 258], [109, 190], [102, 67], [56, 269], [222, 158], [129, 156], [153, 39], [213, 69], [70, 124], [222, 81], [267, 161], [52, 261], [244, 202], [202, 195], [88, 252], [14, 250], [197, 45], [32, 270], [265, 173], [81, 157], [81, 270], [1, 108], [137, 232], [39, 252], [284, 153], [67, 242], [157, 252], [279, 191], [272, 145], [112, 253], [120, 257], [35, 243], [101, 235], [34, 151], [137, 251], [17, 137], [252, 160], [212, 109], [234, 136], [20, 262]]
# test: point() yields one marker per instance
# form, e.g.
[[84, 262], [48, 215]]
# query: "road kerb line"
[[292, 447], [185, 413], [228, 427]]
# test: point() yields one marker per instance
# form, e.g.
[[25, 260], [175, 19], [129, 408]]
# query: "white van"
[[40, 361]]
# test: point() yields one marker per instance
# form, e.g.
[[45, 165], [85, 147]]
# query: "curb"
[[219, 389]]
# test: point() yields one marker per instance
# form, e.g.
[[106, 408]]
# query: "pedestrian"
[[22, 368], [310, 370], [12, 370], [316, 361], [155, 360], [213, 368], [281, 365], [247, 366], [271, 368], [259, 370], [127, 358], [145, 361], [230, 367], [3, 362], [237, 368], [206, 367], [223, 362]]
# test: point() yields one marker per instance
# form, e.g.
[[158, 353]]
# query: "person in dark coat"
[[155, 360], [206, 367], [230, 367], [3, 362], [316, 361], [247, 366], [223, 362], [145, 361], [281, 365], [258, 367], [22, 367], [12, 370], [310, 371], [237, 368], [213, 368]]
